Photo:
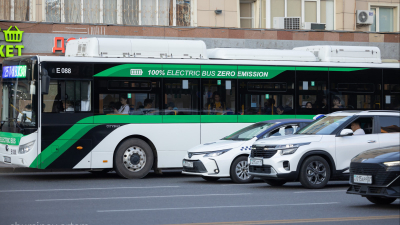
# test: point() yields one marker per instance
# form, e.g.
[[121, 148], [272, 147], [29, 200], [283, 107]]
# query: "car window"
[[389, 124], [362, 125], [324, 126], [283, 131]]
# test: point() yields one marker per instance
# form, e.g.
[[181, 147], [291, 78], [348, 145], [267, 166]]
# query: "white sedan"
[[228, 157]]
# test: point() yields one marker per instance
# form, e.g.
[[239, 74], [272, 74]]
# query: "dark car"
[[375, 174]]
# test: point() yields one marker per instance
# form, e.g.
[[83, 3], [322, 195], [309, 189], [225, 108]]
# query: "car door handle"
[[371, 141]]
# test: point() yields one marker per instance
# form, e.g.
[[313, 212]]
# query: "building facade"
[[45, 26]]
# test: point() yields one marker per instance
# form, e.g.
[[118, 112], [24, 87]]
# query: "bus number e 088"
[[63, 70]]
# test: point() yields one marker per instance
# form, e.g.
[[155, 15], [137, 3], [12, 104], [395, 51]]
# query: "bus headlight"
[[26, 147]]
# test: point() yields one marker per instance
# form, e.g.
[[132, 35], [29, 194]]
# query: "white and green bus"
[[135, 105]]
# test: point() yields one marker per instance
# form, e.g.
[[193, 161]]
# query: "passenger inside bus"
[[309, 105], [269, 107], [148, 107], [124, 109], [337, 103], [216, 107], [280, 110]]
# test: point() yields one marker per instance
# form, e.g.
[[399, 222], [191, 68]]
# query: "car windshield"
[[324, 126], [249, 132], [18, 90]]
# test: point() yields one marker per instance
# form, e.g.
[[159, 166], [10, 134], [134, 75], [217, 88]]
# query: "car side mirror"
[[346, 132]]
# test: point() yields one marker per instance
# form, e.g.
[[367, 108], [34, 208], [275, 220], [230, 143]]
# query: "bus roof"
[[214, 62]]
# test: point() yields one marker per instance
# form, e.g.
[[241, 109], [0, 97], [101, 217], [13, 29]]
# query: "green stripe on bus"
[[181, 119], [207, 71], [219, 118], [128, 119], [7, 138], [259, 118], [51, 153]]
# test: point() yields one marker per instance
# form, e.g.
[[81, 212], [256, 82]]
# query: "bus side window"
[[218, 97], [180, 97], [67, 96]]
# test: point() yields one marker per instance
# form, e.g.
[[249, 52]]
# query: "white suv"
[[322, 151]]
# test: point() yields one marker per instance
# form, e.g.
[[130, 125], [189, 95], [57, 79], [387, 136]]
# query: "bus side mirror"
[[45, 82]]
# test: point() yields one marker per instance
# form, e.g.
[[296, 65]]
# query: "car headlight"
[[289, 148], [26, 147], [394, 163], [216, 153]]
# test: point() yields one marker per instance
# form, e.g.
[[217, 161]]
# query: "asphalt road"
[[172, 198]]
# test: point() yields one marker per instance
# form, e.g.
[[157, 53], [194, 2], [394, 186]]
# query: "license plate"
[[7, 159], [188, 164], [363, 179], [256, 162]]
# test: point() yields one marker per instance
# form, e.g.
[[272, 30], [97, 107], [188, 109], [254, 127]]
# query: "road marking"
[[316, 220], [165, 196], [216, 207], [89, 189], [301, 192]]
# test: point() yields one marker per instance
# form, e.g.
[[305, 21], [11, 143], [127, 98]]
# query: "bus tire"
[[133, 159]]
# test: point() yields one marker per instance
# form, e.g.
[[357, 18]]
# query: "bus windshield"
[[324, 126], [18, 91], [249, 132]]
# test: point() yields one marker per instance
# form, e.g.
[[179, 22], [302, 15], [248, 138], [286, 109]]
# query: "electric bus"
[[136, 105]]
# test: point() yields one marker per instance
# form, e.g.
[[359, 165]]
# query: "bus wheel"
[[133, 159]]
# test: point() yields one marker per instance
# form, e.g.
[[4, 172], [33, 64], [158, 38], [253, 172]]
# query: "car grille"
[[198, 167], [379, 174], [260, 152], [260, 169]]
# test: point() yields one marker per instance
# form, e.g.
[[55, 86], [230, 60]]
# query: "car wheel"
[[380, 200], [100, 172], [315, 172], [133, 159], [240, 170], [275, 183], [210, 178]]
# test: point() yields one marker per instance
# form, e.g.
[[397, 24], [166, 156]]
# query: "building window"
[[128, 12], [383, 19], [183, 10], [246, 15], [327, 13], [91, 11], [130, 9], [53, 10], [21, 10], [72, 11], [5, 9], [110, 11]]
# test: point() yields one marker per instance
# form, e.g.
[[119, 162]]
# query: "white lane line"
[[301, 192], [217, 207], [90, 189], [165, 196]]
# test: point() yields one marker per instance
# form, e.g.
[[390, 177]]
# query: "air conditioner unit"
[[365, 17], [290, 23], [313, 26]]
